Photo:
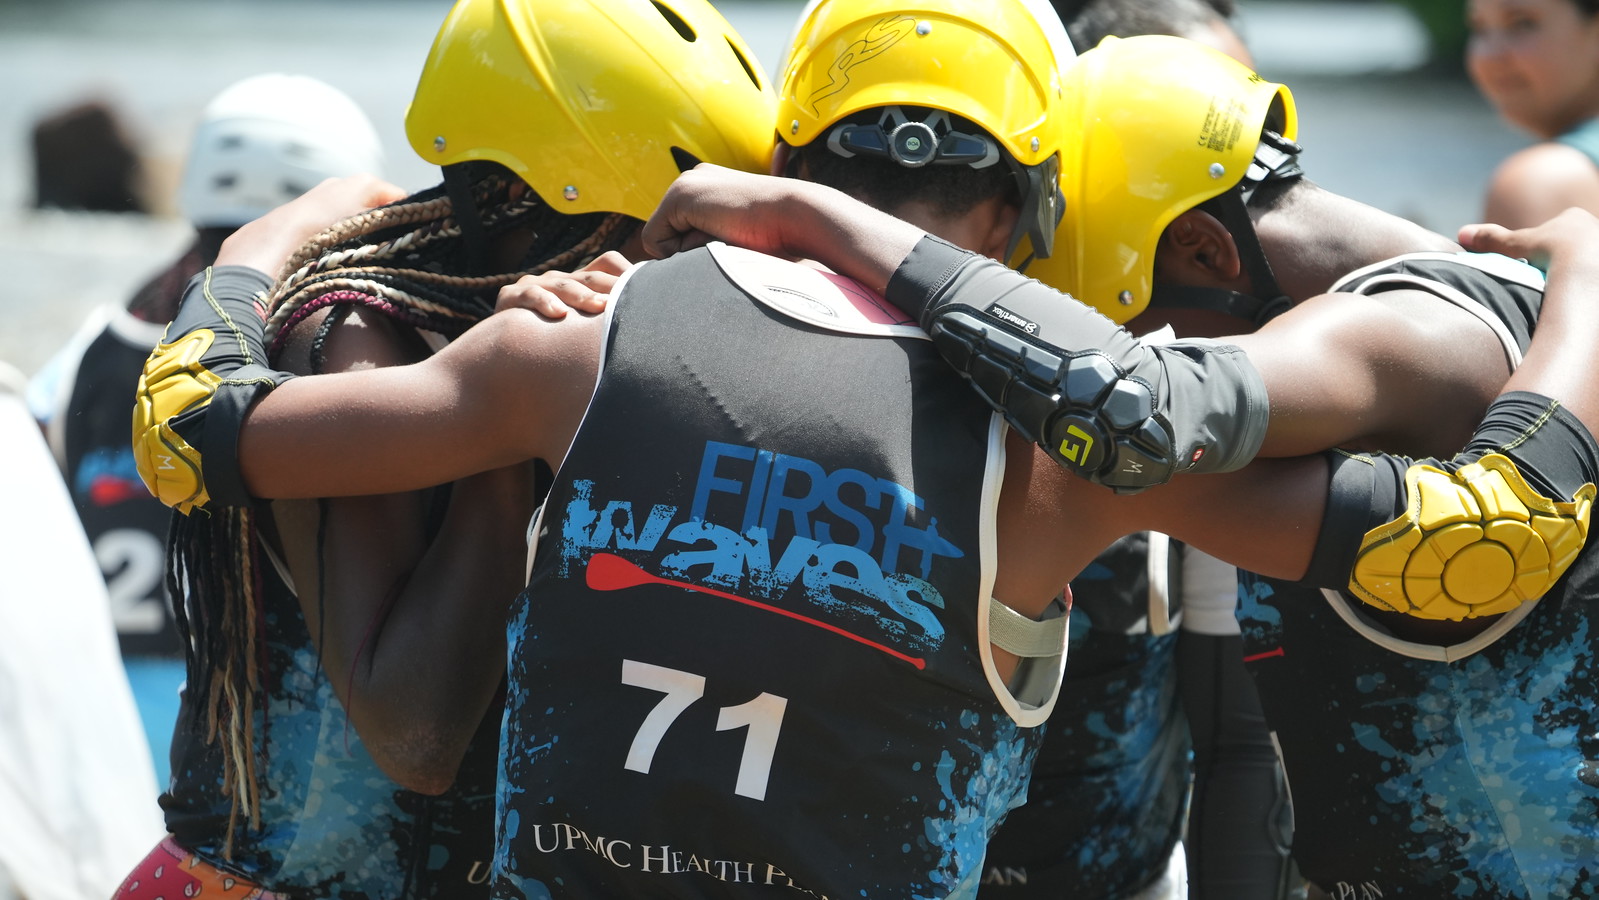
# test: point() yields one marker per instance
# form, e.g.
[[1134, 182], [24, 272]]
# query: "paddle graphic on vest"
[[609, 572]]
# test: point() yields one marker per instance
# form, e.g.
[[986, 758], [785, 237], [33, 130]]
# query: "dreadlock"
[[395, 260]]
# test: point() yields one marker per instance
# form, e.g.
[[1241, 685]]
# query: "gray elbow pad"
[[1102, 403]]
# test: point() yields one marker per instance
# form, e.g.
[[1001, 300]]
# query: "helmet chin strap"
[[1276, 162], [474, 237], [1042, 207], [1221, 300]]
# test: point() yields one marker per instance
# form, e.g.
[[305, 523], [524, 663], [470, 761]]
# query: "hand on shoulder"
[[552, 293], [1569, 235]]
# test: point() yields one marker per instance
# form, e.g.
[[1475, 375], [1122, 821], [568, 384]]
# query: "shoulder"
[[1534, 184], [517, 347], [360, 339]]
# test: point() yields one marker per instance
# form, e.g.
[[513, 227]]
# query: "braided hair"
[[396, 260]]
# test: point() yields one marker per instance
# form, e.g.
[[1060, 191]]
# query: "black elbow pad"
[[1105, 405]]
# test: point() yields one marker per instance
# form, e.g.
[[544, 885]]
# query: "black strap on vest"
[[474, 237]]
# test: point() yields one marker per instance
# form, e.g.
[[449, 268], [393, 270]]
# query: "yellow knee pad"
[[173, 382], [1476, 542]]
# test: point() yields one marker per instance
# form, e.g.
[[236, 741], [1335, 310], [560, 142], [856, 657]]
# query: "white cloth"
[[77, 789], [1173, 884], [1210, 595]]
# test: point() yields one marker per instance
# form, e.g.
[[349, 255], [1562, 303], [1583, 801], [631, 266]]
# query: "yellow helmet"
[[597, 104], [994, 62], [1157, 125]]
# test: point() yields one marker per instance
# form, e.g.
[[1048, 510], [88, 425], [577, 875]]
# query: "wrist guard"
[[1103, 404], [196, 388]]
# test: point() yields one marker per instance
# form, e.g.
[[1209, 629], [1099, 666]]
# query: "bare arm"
[[783, 217], [408, 613], [1266, 518], [1277, 505], [512, 388], [1340, 370], [211, 368], [1560, 362], [1401, 371]]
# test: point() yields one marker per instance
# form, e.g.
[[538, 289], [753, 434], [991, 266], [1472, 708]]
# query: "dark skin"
[[1342, 369], [412, 637], [437, 646], [1197, 250], [1310, 239], [476, 406], [1390, 356]]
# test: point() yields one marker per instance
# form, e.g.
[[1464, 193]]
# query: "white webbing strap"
[[1013, 632]]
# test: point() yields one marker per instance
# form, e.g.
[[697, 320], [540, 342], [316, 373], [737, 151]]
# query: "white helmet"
[[268, 139]]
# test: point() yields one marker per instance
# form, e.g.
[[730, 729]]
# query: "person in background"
[[1537, 62], [77, 791], [260, 142], [1210, 22], [83, 160]]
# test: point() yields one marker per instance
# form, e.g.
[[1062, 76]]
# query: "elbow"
[[431, 782], [422, 767], [416, 757]]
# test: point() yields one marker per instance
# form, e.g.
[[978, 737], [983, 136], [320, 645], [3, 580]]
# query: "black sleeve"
[[1104, 404]]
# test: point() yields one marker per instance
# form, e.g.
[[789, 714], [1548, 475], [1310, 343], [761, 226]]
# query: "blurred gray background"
[[1381, 119]]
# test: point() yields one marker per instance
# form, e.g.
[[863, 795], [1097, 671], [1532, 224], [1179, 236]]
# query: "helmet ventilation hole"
[[748, 69], [675, 20], [683, 159]]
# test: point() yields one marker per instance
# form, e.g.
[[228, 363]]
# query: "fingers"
[[610, 262], [663, 230], [552, 294], [677, 242], [1485, 238], [690, 211], [1573, 231]]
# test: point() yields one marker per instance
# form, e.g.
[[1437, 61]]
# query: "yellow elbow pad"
[[1477, 542], [174, 381]]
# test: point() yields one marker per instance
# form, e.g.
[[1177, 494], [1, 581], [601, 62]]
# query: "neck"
[[1313, 237]]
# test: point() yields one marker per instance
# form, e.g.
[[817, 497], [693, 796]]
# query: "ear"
[[780, 155], [999, 225], [1197, 249]]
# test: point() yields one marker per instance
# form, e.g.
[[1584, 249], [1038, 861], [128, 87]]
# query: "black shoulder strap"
[[474, 238]]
